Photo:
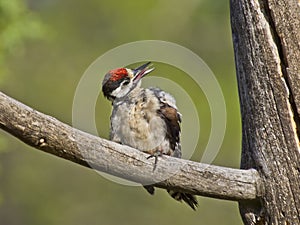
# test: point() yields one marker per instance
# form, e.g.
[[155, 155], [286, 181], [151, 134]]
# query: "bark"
[[50, 135], [266, 38]]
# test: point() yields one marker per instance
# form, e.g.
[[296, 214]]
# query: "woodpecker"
[[144, 118]]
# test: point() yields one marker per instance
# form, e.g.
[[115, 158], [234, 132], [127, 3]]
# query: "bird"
[[146, 119]]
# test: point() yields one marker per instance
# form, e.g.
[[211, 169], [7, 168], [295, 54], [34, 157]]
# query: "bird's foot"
[[155, 154]]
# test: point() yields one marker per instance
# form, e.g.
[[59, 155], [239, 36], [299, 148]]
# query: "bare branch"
[[50, 135]]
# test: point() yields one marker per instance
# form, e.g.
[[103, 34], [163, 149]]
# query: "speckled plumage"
[[145, 119], [142, 120]]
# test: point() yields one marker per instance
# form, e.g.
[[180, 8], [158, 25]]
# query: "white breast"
[[137, 124]]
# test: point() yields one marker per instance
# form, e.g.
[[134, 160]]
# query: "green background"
[[45, 47]]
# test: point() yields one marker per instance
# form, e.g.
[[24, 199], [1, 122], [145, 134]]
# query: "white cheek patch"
[[121, 91], [116, 92]]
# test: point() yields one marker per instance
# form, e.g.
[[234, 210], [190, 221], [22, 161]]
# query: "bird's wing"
[[172, 118]]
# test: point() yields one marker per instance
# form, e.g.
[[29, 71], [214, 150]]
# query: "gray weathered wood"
[[50, 135], [266, 38]]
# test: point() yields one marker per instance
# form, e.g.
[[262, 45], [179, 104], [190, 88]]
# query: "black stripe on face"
[[109, 86]]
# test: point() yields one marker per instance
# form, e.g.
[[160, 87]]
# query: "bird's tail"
[[179, 196], [186, 197]]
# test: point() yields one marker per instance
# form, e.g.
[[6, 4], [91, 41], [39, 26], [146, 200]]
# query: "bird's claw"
[[156, 154]]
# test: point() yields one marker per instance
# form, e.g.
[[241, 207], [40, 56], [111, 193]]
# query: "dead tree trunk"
[[266, 37]]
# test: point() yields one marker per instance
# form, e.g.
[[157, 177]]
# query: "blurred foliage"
[[38, 188], [17, 24]]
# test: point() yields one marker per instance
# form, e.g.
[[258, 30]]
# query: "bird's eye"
[[126, 82]]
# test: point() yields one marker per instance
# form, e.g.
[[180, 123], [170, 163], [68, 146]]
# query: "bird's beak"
[[142, 71]]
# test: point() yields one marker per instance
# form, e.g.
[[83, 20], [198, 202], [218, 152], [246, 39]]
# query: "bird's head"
[[119, 82]]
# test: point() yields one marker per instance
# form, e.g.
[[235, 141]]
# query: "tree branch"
[[50, 135]]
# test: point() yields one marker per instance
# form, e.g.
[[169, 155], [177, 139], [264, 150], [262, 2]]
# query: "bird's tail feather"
[[186, 197], [179, 196]]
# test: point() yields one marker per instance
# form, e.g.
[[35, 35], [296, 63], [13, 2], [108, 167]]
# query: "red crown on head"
[[117, 74]]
